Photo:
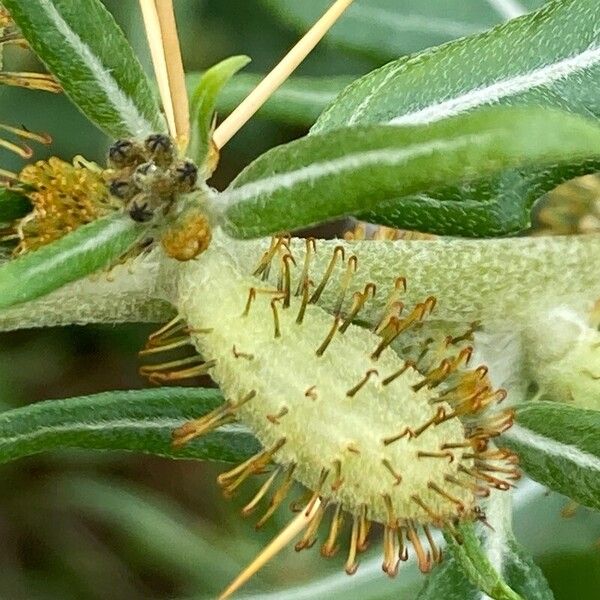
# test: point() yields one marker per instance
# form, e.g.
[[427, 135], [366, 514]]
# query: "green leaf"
[[204, 100], [77, 254], [521, 573], [351, 170], [135, 421], [522, 62], [83, 47], [387, 29], [299, 101], [12, 205], [559, 446], [473, 562], [449, 582]]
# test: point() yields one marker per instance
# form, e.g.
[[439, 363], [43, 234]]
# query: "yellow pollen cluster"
[[64, 197], [187, 237]]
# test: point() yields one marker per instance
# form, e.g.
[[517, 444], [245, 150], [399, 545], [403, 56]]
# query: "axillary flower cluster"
[[143, 178], [150, 178]]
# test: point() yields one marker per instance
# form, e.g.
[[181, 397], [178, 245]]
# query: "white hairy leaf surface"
[[354, 170], [550, 58], [501, 283], [473, 280], [559, 446]]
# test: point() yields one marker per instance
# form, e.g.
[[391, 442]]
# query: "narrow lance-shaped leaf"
[[522, 62], [387, 29], [499, 562], [299, 101], [135, 421], [351, 170], [473, 562], [449, 581], [77, 254], [559, 446], [12, 205], [522, 574], [85, 50], [204, 100]]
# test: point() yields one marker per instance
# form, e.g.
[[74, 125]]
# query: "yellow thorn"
[[172, 48], [159, 60], [296, 526], [271, 83]]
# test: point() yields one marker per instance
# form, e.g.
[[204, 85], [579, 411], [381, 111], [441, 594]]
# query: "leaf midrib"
[[523, 435], [110, 426]]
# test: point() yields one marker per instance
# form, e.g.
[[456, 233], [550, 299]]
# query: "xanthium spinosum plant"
[[399, 377]]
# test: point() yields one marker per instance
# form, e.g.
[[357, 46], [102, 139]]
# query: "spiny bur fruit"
[[402, 443]]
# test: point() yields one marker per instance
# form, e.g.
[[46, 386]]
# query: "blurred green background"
[[97, 526]]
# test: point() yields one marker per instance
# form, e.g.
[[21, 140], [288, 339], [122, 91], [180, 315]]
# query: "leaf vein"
[[129, 113], [350, 162], [504, 88], [120, 424], [578, 457]]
